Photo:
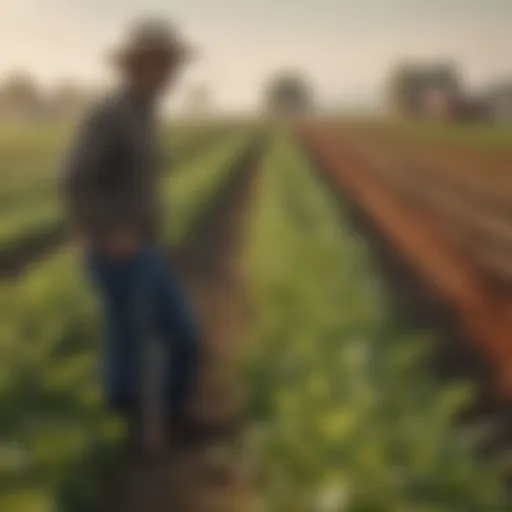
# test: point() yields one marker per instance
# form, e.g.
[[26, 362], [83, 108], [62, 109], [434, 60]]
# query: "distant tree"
[[20, 95], [403, 89], [444, 76], [289, 93]]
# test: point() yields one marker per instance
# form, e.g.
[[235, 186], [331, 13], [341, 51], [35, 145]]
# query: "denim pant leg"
[[121, 286], [178, 331]]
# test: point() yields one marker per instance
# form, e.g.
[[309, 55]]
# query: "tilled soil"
[[466, 191], [439, 283]]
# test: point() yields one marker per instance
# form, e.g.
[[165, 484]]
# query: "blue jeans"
[[142, 298]]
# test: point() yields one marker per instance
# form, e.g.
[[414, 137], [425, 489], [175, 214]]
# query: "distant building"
[[437, 92], [441, 106], [419, 90], [438, 103]]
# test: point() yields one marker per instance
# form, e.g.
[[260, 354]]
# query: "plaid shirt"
[[110, 173]]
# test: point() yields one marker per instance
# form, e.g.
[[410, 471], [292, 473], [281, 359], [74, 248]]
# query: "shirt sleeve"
[[85, 174]]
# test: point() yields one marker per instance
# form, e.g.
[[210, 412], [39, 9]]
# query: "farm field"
[[342, 408], [349, 412], [31, 222], [53, 428], [447, 211], [467, 191], [489, 138]]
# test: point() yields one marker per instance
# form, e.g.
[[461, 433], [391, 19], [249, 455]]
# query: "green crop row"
[[34, 211], [186, 193], [56, 441], [31, 156], [346, 415]]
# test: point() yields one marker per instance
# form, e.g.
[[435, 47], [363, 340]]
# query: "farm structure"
[[438, 92]]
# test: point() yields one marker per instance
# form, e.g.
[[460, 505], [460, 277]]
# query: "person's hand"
[[121, 244]]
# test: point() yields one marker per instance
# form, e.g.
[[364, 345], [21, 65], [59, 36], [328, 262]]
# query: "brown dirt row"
[[481, 311], [485, 180], [485, 176], [470, 203], [497, 158], [190, 481]]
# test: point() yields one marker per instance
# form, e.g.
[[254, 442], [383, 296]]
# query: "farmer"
[[110, 188]]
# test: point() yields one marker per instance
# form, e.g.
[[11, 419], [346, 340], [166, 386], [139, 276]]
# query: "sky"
[[344, 47]]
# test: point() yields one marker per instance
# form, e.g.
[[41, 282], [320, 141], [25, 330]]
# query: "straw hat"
[[148, 37]]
